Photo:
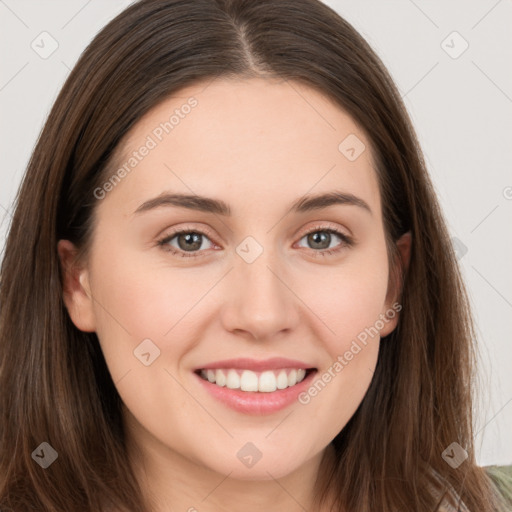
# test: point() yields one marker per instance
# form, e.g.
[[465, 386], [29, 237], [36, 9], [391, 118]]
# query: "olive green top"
[[501, 477]]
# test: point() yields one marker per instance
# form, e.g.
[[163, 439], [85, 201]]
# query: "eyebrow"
[[219, 207]]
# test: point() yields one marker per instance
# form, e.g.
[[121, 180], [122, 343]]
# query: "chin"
[[268, 467]]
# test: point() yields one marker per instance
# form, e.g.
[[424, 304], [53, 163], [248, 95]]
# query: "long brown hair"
[[55, 386]]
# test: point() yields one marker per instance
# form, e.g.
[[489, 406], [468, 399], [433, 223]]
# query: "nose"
[[261, 301]]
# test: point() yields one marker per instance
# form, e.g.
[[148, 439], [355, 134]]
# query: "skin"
[[258, 145]]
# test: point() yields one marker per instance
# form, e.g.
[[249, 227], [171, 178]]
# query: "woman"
[[200, 146]]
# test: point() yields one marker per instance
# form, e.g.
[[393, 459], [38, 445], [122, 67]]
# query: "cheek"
[[140, 287], [135, 301], [349, 303], [347, 299], [350, 315]]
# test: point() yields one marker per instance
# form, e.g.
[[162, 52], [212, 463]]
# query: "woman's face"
[[276, 276]]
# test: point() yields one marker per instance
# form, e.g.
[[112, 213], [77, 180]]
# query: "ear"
[[76, 289], [392, 307]]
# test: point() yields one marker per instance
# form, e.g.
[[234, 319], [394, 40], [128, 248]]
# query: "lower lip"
[[255, 402]]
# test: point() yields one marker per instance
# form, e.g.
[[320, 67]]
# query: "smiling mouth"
[[247, 380]]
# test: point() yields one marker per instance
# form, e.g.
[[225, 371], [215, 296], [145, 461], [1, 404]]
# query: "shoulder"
[[501, 477]]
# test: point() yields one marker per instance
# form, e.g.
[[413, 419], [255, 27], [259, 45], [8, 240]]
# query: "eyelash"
[[347, 241]]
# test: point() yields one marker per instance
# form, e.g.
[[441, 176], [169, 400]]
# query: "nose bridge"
[[258, 278], [261, 302]]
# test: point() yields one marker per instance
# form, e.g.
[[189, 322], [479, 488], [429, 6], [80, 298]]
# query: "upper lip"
[[256, 365]]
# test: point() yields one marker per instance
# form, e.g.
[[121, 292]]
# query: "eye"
[[189, 242], [321, 237]]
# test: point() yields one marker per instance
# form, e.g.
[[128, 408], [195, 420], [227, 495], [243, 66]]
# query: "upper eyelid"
[[179, 231], [314, 229]]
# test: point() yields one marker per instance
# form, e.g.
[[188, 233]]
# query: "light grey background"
[[461, 108]]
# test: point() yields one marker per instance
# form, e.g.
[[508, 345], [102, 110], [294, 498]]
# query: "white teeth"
[[282, 380], [267, 382], [220, 378], [233, 380], [247, 380]]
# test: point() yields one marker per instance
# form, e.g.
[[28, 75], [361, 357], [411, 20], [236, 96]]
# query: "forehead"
[[248, 138]]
